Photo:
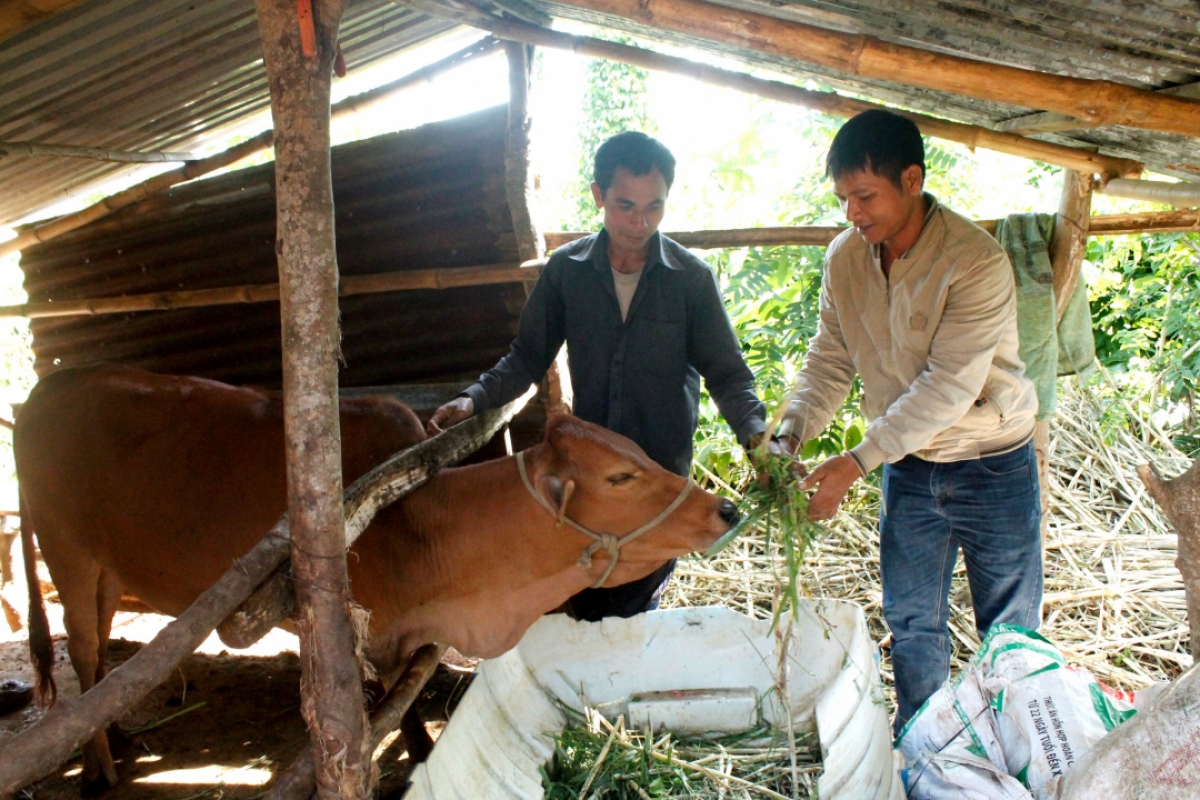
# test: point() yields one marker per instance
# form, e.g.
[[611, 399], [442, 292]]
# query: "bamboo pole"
[[40, 748], [826, 102], [263, 141], [455, 277], [1097, 102], [446, 278], [98, 153]]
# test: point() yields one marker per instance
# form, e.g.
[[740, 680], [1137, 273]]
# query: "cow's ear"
[[558, 493]]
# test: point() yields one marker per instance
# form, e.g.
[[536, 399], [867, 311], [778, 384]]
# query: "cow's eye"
[[617, 480]]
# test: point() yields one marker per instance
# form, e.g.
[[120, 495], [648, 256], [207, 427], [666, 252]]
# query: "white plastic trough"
[[500, 733]]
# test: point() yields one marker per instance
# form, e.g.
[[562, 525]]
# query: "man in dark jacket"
[[643, 321]]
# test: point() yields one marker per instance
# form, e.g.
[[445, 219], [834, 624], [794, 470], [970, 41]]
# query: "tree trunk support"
[[298, 780], [299, 43], [1067, 249], [1179, 500], [1069, 243], [519, 189]]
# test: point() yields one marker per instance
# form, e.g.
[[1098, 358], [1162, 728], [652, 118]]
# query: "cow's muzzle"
[[728, 512]]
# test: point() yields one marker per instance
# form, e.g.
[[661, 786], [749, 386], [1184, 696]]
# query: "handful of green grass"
[[779, 510]]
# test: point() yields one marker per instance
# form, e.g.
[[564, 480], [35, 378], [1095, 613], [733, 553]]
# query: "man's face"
[[633, 207], [875, 206]]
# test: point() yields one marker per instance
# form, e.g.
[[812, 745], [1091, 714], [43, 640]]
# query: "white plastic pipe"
[[1183, 195]]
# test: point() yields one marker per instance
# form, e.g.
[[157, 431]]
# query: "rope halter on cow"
[[607, 542]]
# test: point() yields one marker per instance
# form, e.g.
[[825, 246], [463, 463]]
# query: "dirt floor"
[[218, 728]]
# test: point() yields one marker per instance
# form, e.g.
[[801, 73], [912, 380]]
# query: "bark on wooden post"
[[299, 43], [519, 190], [1067, 249], [1179, 500], [1069, 244]]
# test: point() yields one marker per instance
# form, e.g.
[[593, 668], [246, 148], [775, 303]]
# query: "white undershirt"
[[625, 285]]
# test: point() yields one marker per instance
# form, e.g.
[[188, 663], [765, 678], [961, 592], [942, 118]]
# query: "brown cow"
[[156, 484]]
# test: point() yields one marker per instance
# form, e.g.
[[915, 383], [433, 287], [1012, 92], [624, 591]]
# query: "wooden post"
[[299, 41], [296, 782], [1179, 499], [1069, 244], [519, 190], [1067, 248]]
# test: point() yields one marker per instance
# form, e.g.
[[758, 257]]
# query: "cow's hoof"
[[94, 787], [14, 695]]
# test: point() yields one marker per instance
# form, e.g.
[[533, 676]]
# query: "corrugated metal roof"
[[150, 75], [1152, 46], [429, 197], [160, 74]]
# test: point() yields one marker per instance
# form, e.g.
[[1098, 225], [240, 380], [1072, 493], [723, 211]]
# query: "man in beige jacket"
[[921, 303]]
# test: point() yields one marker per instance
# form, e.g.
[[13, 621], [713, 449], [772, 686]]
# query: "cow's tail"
[[41, 646]]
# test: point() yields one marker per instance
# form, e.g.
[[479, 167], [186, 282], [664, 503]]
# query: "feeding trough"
[[684, 670]]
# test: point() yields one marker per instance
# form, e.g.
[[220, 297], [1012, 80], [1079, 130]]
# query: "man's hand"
[[451, 413], [833, 477], [778, 448]]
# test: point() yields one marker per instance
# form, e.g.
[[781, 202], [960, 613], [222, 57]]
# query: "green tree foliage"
[[1145, 299], [615, 101]]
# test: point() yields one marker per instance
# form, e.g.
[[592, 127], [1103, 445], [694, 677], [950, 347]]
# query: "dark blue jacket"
[[641, 377]]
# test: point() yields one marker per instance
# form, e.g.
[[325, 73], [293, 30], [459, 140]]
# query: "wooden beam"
[[1098, 102], [1050, 122], [17, 15], [97, 153], [299, 43], [1068, 245], [972, 136], [826, 102], [445, 278], [1183, 221], [1186, 221]]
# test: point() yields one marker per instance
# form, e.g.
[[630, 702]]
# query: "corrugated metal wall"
[[430, 197]]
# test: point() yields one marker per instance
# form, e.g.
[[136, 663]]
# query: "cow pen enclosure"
[[240, 278]]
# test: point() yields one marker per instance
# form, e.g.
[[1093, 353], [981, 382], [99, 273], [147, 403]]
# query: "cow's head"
[[607, 484]]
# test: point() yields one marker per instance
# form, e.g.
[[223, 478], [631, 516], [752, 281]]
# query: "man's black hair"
[[879, 141], [636, 152]]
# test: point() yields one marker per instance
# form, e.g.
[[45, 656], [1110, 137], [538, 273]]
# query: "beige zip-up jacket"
[[935, 344]]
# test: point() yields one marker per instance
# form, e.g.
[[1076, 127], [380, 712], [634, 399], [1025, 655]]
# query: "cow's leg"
[[417, 740], [108, 600], [83, 593]]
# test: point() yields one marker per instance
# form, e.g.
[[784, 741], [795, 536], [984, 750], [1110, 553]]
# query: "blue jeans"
[[991, 508]]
